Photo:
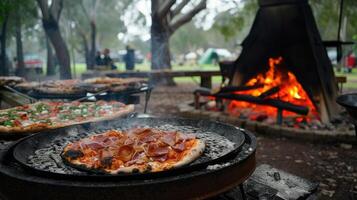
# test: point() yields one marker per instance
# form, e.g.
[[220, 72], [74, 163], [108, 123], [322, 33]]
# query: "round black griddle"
[[20, 183], [349, 101], [40, 95], [110, 95], [223, 142]]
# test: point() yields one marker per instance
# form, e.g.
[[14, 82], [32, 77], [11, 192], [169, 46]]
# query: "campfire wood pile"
[[273, 89]]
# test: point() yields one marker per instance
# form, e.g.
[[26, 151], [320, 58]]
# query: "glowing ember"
[[290, 91]]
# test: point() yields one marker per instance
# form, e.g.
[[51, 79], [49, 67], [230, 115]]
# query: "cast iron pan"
[[349, 101], [124, 93], [27, 146], [38, 95]]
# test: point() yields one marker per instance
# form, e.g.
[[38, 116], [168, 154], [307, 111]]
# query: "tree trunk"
[[93, 47], [52, 30], [4, 70], [20, 68], [86, 50], [160, 50], [51, 67]]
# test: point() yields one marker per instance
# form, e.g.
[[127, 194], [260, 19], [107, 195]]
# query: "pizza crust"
[[28, 129], [127, 110], [192, 155], [27, 86]]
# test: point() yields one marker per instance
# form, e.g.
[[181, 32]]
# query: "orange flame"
[[290, 91]]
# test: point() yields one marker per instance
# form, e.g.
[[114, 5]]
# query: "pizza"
[[102, 80], [137, 150], [117, 84], [60, 87], [49, 115], [10, 80], [27, 86], [92, 88]]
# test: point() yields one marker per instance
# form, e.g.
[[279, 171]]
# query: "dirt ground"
[[334, 166]]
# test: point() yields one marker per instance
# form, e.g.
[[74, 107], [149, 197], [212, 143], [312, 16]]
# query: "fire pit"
[[282, 82], [191, 182]]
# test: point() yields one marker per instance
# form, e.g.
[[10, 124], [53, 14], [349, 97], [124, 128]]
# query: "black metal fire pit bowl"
[[349, 101], [202, 179]]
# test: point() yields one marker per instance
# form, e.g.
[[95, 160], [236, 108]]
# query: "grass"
[[351, 79]]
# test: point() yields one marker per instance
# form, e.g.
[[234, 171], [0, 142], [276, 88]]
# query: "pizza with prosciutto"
[[59, 87], [117, 84], [10, 80], [137, 150], [49, 115]]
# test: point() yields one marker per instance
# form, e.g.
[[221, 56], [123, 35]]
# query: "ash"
[[48, 158], [217, 166], [244, 153]]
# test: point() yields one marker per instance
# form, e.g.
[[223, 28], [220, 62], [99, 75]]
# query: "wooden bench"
[[340, 80], [205, 76]]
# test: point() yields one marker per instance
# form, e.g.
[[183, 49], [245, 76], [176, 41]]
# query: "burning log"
[[283, 105], [229, 89], [269, 92], [226, 89]]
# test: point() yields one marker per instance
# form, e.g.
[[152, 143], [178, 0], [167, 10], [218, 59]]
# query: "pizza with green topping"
[[50, 115]]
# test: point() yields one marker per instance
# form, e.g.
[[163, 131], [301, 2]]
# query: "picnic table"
[[205, 76], [340, 80]]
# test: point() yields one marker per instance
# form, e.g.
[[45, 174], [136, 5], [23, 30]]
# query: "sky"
[[204, 19]]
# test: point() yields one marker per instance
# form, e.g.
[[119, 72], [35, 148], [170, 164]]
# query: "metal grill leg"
[[147, 98], [279, 117], [242, 192]]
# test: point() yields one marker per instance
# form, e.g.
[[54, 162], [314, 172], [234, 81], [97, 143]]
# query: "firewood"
[[269, 92], [302, 110]]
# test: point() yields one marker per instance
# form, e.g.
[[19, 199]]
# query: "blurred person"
[[129, 58], [350, 62], [98, 59], [16, 66], [107, 60], [215, 58]]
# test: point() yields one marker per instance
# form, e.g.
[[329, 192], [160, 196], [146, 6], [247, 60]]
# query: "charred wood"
[[229, 89], [269, 92], [302, 110]]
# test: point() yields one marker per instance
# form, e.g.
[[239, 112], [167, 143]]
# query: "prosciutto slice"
[[156, 150]]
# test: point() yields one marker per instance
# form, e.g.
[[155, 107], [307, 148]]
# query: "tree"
[[19, 50], [90, 13], [166, 18], [5, 8], [24, 16], [101, 18], [236, 22], [50, 20], [50, 65]]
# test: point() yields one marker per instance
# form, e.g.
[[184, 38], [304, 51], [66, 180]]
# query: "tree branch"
[[165, 7], [179, 7], [183, 19], [94, 10], [154, 6], [43, 4], [85, 11], [56, 8]]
